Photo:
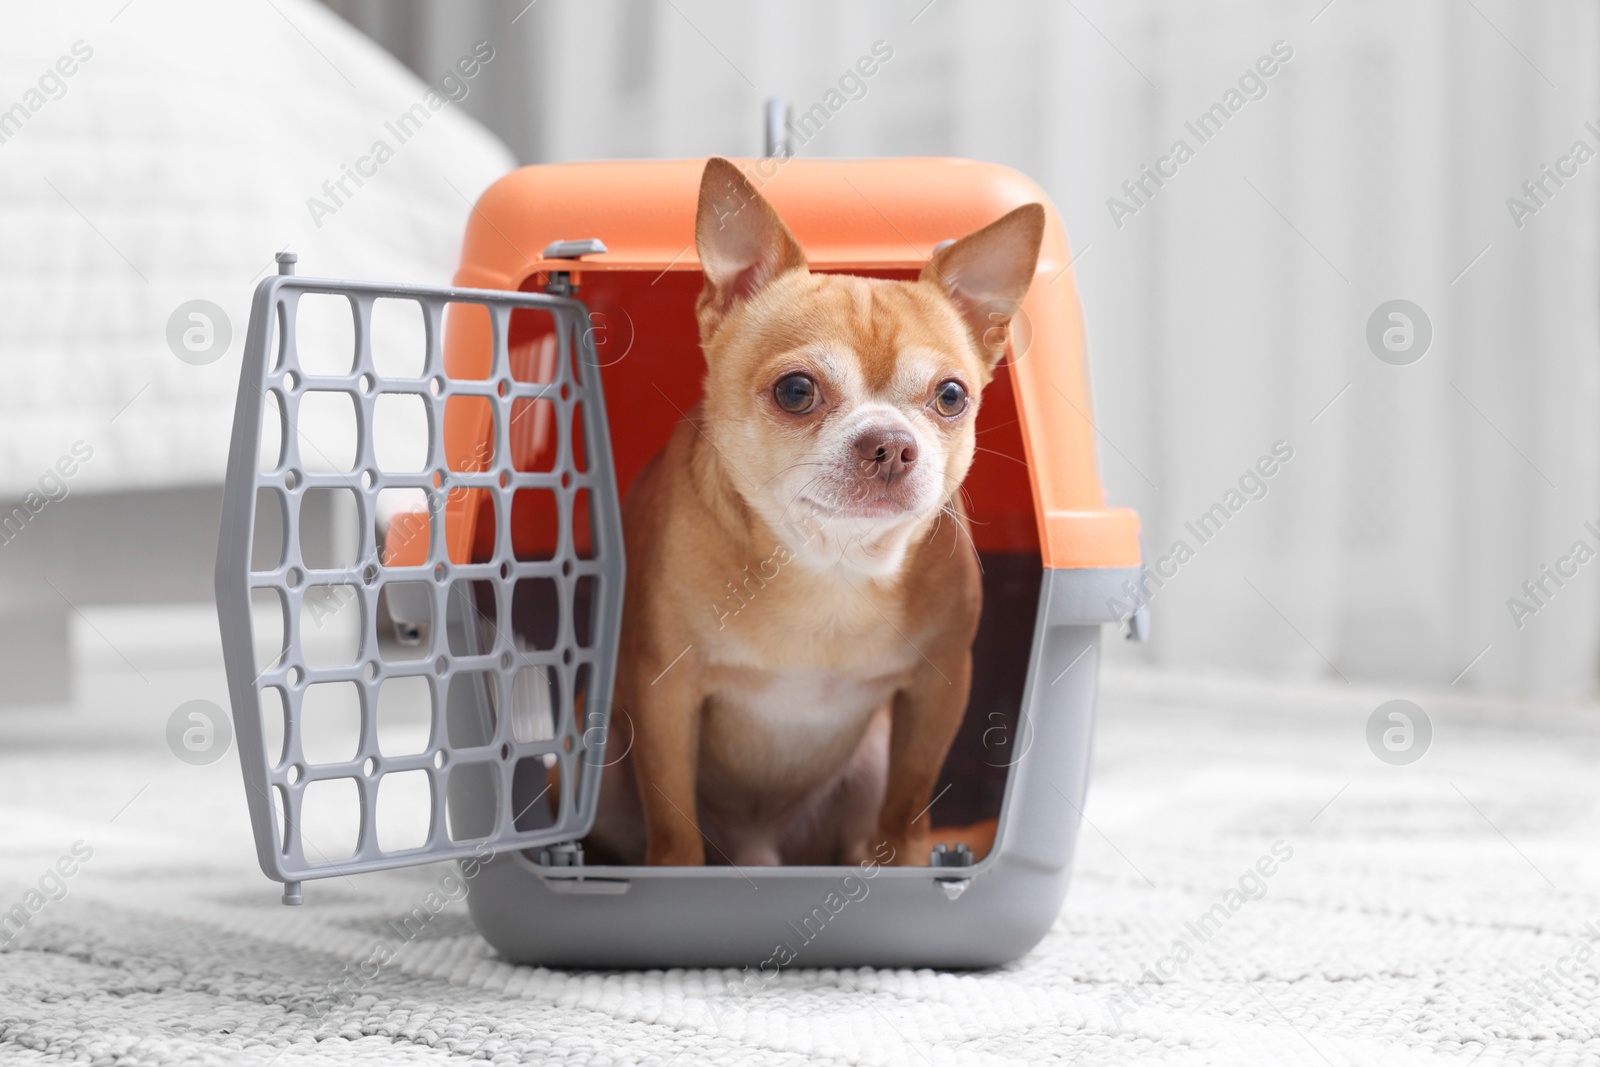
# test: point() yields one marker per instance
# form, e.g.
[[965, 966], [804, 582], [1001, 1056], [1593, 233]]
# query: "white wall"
[[1231, 309]]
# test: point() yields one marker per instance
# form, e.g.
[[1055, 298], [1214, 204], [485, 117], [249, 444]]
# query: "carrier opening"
[[647, 343]]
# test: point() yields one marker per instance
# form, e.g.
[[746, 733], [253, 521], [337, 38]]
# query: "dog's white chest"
[[806, 708], [793, 720]]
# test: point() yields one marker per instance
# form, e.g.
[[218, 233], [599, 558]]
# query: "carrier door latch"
[[958, 855], [1139, 624], [1139, 621]]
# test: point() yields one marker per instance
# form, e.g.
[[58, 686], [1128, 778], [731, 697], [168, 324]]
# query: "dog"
[[802, 590]]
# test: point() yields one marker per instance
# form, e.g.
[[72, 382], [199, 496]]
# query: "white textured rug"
[[1419, 912]]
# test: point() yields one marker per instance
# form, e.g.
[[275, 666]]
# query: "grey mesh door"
[[404, 692]]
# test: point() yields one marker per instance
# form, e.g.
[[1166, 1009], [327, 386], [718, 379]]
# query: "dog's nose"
[[886, 452]]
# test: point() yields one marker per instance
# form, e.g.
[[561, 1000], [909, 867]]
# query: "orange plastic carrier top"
[[878, 217]]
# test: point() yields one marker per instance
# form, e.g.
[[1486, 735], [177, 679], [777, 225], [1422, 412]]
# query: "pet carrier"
[[483, 575]]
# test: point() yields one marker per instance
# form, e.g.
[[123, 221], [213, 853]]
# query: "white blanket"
[[171, 165]]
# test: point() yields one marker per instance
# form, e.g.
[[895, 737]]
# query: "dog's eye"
[[796, 394], [950, 399]]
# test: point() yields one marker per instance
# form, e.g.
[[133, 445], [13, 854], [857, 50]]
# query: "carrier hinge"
[[565, 854], [569, 854], [560, 283]]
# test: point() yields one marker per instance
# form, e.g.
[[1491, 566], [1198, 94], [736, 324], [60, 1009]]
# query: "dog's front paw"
[[905, 849], [679, 852]]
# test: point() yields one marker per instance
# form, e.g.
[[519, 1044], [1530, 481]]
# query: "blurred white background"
[[1227, 313]]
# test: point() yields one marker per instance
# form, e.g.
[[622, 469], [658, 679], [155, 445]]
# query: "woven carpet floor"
[[1442, 912]]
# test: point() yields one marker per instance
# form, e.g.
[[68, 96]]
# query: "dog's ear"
[[986, 274], [742, 243]]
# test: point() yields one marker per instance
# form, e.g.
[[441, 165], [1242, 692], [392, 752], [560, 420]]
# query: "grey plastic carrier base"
[[987, 914]]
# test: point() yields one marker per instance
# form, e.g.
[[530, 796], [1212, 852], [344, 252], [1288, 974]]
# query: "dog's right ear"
[[743, 244]]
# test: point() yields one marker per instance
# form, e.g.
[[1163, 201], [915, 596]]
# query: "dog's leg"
[[666, 723], [924, 718]]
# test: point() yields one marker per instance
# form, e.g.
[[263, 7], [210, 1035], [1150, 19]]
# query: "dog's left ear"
[[986, 274], [743, 244]]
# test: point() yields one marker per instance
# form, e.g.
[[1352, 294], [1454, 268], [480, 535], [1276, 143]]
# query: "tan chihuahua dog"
[[800, 607]]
